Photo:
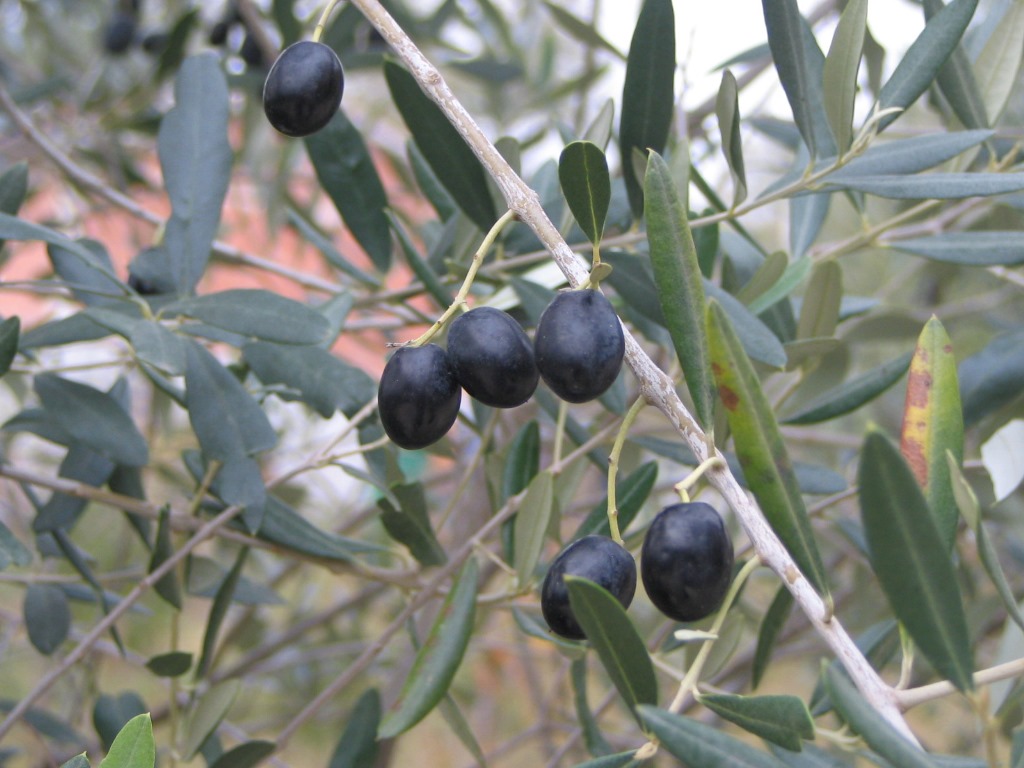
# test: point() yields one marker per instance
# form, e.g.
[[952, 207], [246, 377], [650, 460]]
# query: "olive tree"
[[533, 425]]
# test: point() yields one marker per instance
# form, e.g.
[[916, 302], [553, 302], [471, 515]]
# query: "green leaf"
[[13, 228], [911, 560], [13, 189], [151, 341], [410, 525], [346, 171], [522, 461], [444, 149], [218, 612], [583, 174], [170, 664], [758, 340], [648, 98], [727, 109], [175, 48], [134, 746], [782, 720], [873, 728], [12, 551], [620, 760], [617, 642], [112, 713], [196, 158], [840, 76], [80, 562], [256, 313], [971, 249], [853, 394], [47, 617], [771, 625], [439, 658], [286, 528], [700, 745], [956, 81], [245, 755], [785, 285], [630, 495], [94, 418], [991, 378], [998, 64], [679, 284], [933, 424], [807, 215], [581, 30], [207, 715], [420, 266], [819, 313], [324, 244], [83, 465], [167, 586], [760, 449], [532, 521], [932, 186], [227, 420], [357, 747], [10, 329], [592, 738], [321, 380], [78, 761], [925, 57], [91, 281], [905, 156]]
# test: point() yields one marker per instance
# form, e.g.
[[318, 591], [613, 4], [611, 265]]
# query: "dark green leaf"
[[195, 157], [47, 617], [322, 381], [210, 709], [245, 755], [324, 244], [226, 419], [112, 713], [176, 47], [94, 418], [45, 724], [956, 80], [522, 462], [771, 625], [257, 313], [679, 283], [439, 658], [151, 341], [991, 378], [10, 329], [630, 495], [357, 747], [167, 587], [853, 394], [932, 186], [758, 340], [410, 525], [12, 551], [911, 560], [171, 664], [205, 577], [420, 266], [91, 281], [581, 30], [621, 760], [286, 528], [760, 448], [806, 217], [700, 745], [727, 108], [13, 188], [840, 74], [617, 642], [430, 184], [444, 149], [218, 611], [648, 99], [67, 330], [13, 228], [531, 525], [78, 761], [345, 169], [973, 249], [873, 728], [583, 174], [782, 720], [80, 562], [134, 746], [592, 738], [810, 757], [819, 312], [925, 57], [83, 465]]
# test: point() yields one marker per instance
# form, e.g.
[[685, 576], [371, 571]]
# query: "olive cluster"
[[577, 350], [121, 32], [686, 564]]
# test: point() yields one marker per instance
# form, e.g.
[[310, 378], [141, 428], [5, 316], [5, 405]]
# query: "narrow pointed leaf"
[[579, 29], [420, 266], [933, 186], [933, 424], [111, 713], [925, 57], [630, 495], [444, 149], [346, 171], [259, 314], [997, 66], [167, 587], [92, 282], [12, 551], [956, 80], [208, 714], [620, 760], [702, 746], [326, 246], [245, 755], [617, 642], [583, 174], [410, 525], [357, 747], [991, 378], [13, 228], [196, 160], [791, 278], [13, 189], [907, 156], [134, 746], [727, 108], [522, 462], [970, 249], [873, 728], [678, 281], [819, 313], [911, 560], [782, 720], [218, 612], [853, 394], [78, 761], [807, 215], [438, 659], [93, 417], [531, 525], [771, 625], [760, 449], [648, 98], [841, 66], [592, 738], [10, 330]]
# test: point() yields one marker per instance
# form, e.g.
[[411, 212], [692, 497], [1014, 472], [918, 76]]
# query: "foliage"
[[210, 551]]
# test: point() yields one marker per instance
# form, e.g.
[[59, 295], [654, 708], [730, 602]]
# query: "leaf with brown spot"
[[759, 446], [933, 423]]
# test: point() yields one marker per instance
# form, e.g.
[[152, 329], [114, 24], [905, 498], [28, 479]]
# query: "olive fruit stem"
[[907, 664], [563, 414], [321, 23], [613, 466], [683, 486], [459, 302]]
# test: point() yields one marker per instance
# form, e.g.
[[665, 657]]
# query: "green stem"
[[613, 466], [563, 414], [318, 31], [683, 486], [460, 298]]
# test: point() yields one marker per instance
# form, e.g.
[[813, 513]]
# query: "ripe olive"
[[596, 558], [579, 345], [418, 397], [686, 561], [492, 357], [303, 88]]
